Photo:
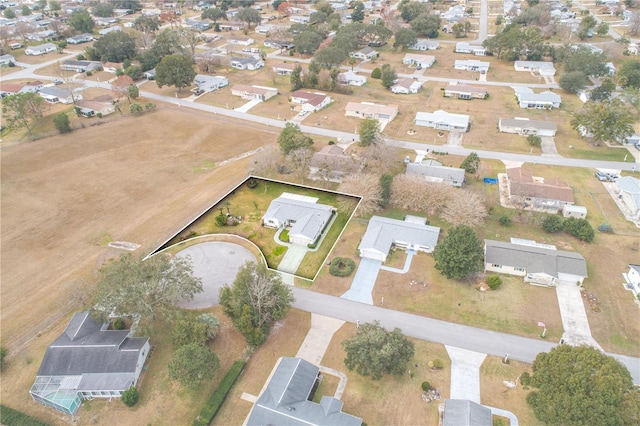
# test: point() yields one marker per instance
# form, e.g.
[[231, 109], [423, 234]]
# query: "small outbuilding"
[[569, 210]]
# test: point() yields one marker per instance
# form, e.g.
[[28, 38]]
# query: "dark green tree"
[[307, 42], [130, 396], [81, 21], [579, 228], [385, 185], [376, 73], [146, 24], [404, 38], [603, 92], [102, 10], [369, 131], [249, 16], [409, 10], [427, 25], [460, 254], [583, 59], [331, 57], [256, 299], [578, 386], [9, 14], [534, 140], [296, 78], [292, 138], [190, 328], [629, 72], [26, 10], [552, 224], [61, 121], [115, 47], [167, 43], [374, 351], [175, 70], [573, 82], [358, 12], [192, 364], [388, 76], [471, 163], [214, 14], [4, 351], [608, 121]]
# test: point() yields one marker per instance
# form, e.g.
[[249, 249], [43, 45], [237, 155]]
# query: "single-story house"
[[364, 54], [242, 41], [80, 66], [406, 86], [6, 60], [287, 399], [420, 61], [473, 65], [464, 47], [383, 113], [422, 44], [526, 127], [297, 19], [352, 79], [539, 264], [632, 140], [112, 67], [150, 75], [279, 44], [525, 190], [311, 102], [543, 68], [230, 26], [332, 164], [442, 120], [198, 24], [55, 95], [382, 233], [303, 216], [282, 68], [81, 38], [260, 93], [92, 107], [632, 279], [628, 189], [88, 361], [570, 210], [434, 171], [106, 31], [611, 68], [210, 83], [464, 91], [8, 89], [633, 49], [528, 99], [40, 50], [246, 63], [462, 412]]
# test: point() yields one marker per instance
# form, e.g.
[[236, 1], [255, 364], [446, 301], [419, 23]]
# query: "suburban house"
[[281, 68], [464, 91], [442, 120], [242, 41], [287, 399], [279, 44], [528, 99], [210, 83], [80, 66], [151, 74], [81, 38], [570, 210], [632, 280], [406, 86], [382, 233], [8, 89], [88, 361], [260, 93], [332, 164], [303, 216], [628, 189], [434, 171], [543, 68], [54, 95], [231, 26], [112, 67], [6, 60], [472, 65], [40, 50], [539, 264], [352, 79], [464, 47], [461, 412], [383, 113], [420, 61], [527, 191], [311, 102], [106, 31], [246, 63], [423, 44], [364, 54], [295, 19], [526, 127], [102, 105], [633, 49]]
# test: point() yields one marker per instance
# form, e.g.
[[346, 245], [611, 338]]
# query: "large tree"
[[367, 186], [427, 25], [214, 14], [404, 38], [465, 207], [573, 82], [516, 42], [23, 109], [168, 42], [249, 15], [147, 24], [358, 12], [307, 42], [374, 351], [192, 364], [81, 21], [388, 76], [175, 70], [579, 386], [145, 289], [102, 10], [256, 299], [460, 254], [607, 121], [629, 73], [369, 131], [114, 47], [292, 138], [583, 59]]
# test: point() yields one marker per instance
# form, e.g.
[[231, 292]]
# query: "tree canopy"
[[573, 81], [22, 109], [374, 351], [579, 386], [369, 131], [175, 70], [192, 364], [517, 41], [427, 25], [256, 299], [81, 21], [113, 47], [630, 73], [607, 121], [130, 287], [460, 254], [292, 138], [249, 15], [404, 38]]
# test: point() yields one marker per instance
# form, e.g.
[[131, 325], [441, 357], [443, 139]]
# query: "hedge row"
[[215, 401], [11, 417]]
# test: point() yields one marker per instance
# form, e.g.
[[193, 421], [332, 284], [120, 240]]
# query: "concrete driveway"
[[363, 281], [217, 264], [548, 145], [574, 316], [465, 373]]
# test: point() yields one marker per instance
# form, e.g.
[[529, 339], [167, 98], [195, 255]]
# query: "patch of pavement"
[[574, 316], [465, 373], [318, 338], [364, 281]]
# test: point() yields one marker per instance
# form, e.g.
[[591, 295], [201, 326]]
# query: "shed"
[[569, 210]]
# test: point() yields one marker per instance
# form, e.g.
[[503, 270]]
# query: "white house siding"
[[144, 353], [503, 269], [373, 254], [541, 279], [570, 278]]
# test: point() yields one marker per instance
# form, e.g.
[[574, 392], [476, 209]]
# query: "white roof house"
[[545, 100], [260, 93], [464, 91], [406, 86], [5, 60], [210, 83], [311, 102], [420, 61], [423, 44], [632, 279], [55, 95], [541, 67], [352, 78], [471, 65], [382, 233], [464, 47], [364, 53], [40, 50], [306, 220], [241, 63], [442, 120], [629, 192], [526, 127], [434, 171], [383, 113]]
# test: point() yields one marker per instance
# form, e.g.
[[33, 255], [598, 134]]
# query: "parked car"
[[605, 177], [57, 81], [199, 92]]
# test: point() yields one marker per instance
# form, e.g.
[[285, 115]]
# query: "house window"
[[518, 269], [495, 265]]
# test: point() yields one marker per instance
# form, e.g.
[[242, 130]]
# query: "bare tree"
[[379, 158], [634, 23], [22, 30], [367, 185], [120, 86], [266, 162], [465, 207], [191, 37], [299, 161], [413, 192], [208, 64]]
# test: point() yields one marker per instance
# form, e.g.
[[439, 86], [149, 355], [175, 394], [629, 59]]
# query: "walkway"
[[465, 373], [548, 145], [363, 282], [574, 316], [407, 264]]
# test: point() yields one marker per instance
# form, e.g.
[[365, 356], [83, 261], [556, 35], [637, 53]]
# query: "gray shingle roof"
[[308, 219], [435, 169], [462, 412], [382, 232], [535, 259]]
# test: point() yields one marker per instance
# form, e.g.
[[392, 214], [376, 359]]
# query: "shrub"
[[505, 220], [213, 404], [525, 379], [534, 140], [437, 364], [89, 73], [61, 121], [99, 115], [4, 351], [130, 396], [494, 282], [118, 324], [341, 267], [579, 228], [221, 219], [606, 228], [284, 235], [426, 386], [252, 183], [376, 73], [552, 224]]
